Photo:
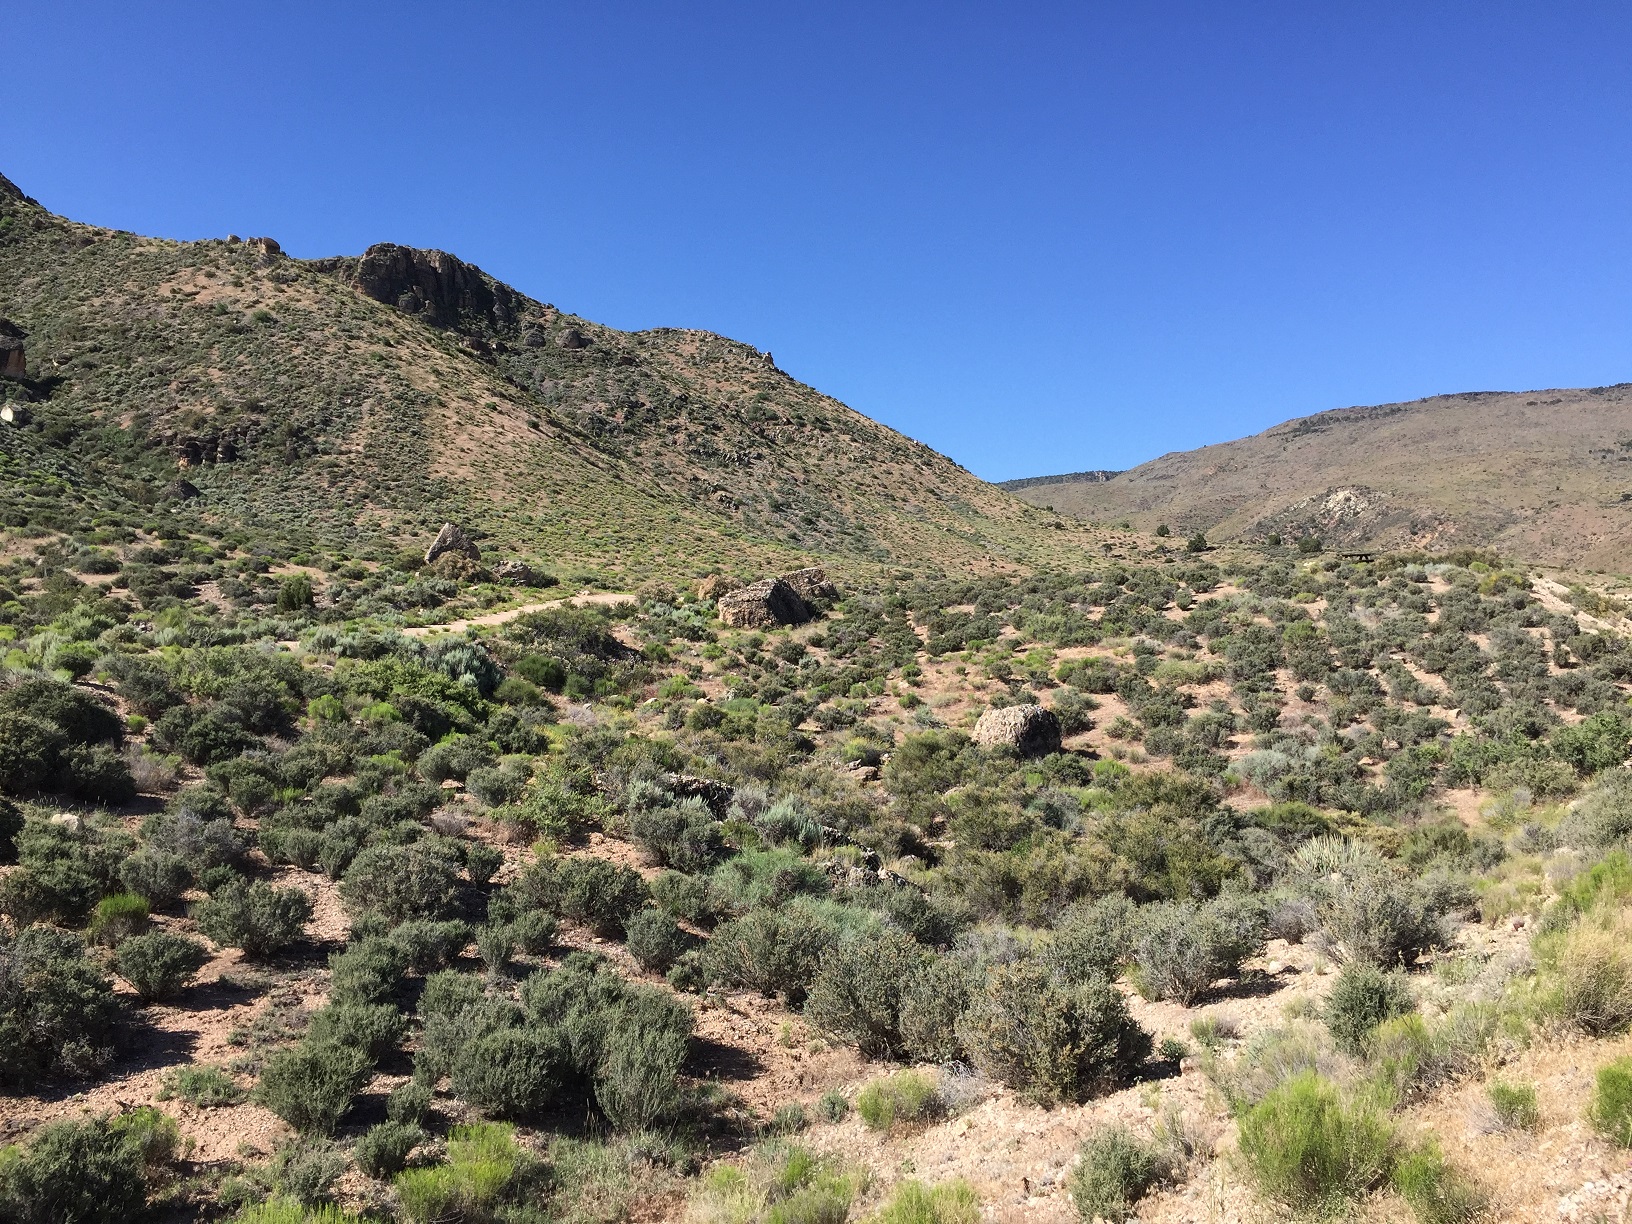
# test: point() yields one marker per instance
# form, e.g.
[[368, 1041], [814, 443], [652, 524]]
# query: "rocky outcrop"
[[763, 605], [518, 573], [452, 541], [13, 357], [716, 795], [571, 338], [1028, 730], [439, 288], [811, 585], [716, 585], [181, 489]]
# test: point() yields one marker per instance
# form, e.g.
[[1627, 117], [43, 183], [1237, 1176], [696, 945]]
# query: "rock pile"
[[811, 585], [763, 605], [1029, 730]]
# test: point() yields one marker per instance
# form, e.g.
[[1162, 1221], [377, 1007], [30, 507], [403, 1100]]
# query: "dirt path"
[[500, 618]]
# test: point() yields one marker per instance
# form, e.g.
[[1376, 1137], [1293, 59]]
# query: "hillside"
[[1541, 475], [363, 400]]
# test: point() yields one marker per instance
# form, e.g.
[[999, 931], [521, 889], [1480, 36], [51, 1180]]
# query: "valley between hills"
[[463, 763]]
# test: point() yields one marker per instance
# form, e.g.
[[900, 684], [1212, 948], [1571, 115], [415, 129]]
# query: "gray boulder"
[[1029, 730], [452, 540], [763, 605]]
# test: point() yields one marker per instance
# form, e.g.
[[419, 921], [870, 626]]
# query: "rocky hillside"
[[363, 400], [1541, 475]]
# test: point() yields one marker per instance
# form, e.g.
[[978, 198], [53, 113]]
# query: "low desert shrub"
[[857, 993], [1309, 1148], [1594, 979], [157, 875], [1116, 1170], [1180, 948], [775, 951], [600, 894], [427, 945], [311, 1086], [409, 1103], [656, 940], [512, 1072], [1092, 937], [685, 836], [1611, 1107], [92, 1172], [374, 1028], [932, 1002], [57, 1010], [912, 1202], [1514, 1105], [534, 932], [483, 1161], [383, 1150], [369, 971], [116, 918], [203, 1087], [1362, 998], [160, 963], [496, 944], [1437, 1192], [256, 917], [906, 1096], [307, 1170], [402, 882], [1052, 1041]]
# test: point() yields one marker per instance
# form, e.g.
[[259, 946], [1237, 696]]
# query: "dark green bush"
[[402, 882], [774, 951], [374, 1028], [685, 836], [496, 944], [1115, 1172], [1092, 938], [311, 1086], [57, 1011], [11, 824], [383, 1150], [655, 940], [80, 717], [160, 963], [158, 875], [256, 917], [368, 971], [932, 1001], [31, 753], [428, 945], [857, 992], [409, 1103], [1362, 998], [1052, 1041], [534, 932], [593, 891], [91, 1172], [512, 1072]]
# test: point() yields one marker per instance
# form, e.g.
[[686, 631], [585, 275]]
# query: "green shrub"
[[201, 1086], [637, 1076], [483, 1160], [31, 753], [291, 1211], [495, 944], [256, 917], [91, 1172], [1093, 937], [426, 945], [374, 1028], [409, 1103], [834, 1106], [1514, 1105], [856, 995], [684, 896], [1362, 998], [1052, 1041], [932, 1001], [1308, 1148], [158, 875], [775, 951], [369, 971], [912, 1202], [1438, 1193], [402, 882], [383, 1150], [117, 918], [306, 1171], [1180, 948], [685, 836], [1373, 916], [1116, 1170], [513, 1072], [56, 1009], [655, 940], [482, 861], [534, 932], [311, 1086], [600, 894], [1611, 1107], [907, 1096], [160, 963], [11, 824], [1594, 979]]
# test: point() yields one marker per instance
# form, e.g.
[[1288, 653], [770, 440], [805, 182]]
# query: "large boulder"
[[13, 358], [763, 605], [439, 288], [1029, 730], [811, 585], [452, 540], [716, 585], [517, 573]]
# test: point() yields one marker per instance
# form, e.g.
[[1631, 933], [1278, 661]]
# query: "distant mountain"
[[368, 398], [1026, 482], [1539, 475]]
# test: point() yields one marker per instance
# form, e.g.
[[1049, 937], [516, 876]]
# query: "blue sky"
[[1040, 237]]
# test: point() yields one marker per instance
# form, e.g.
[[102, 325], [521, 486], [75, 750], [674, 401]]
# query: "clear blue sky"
[[1041, 237]]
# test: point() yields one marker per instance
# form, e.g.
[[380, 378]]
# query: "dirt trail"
[[500, 618]]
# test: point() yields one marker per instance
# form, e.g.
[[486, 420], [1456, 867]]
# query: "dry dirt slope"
[[1540, 475]]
